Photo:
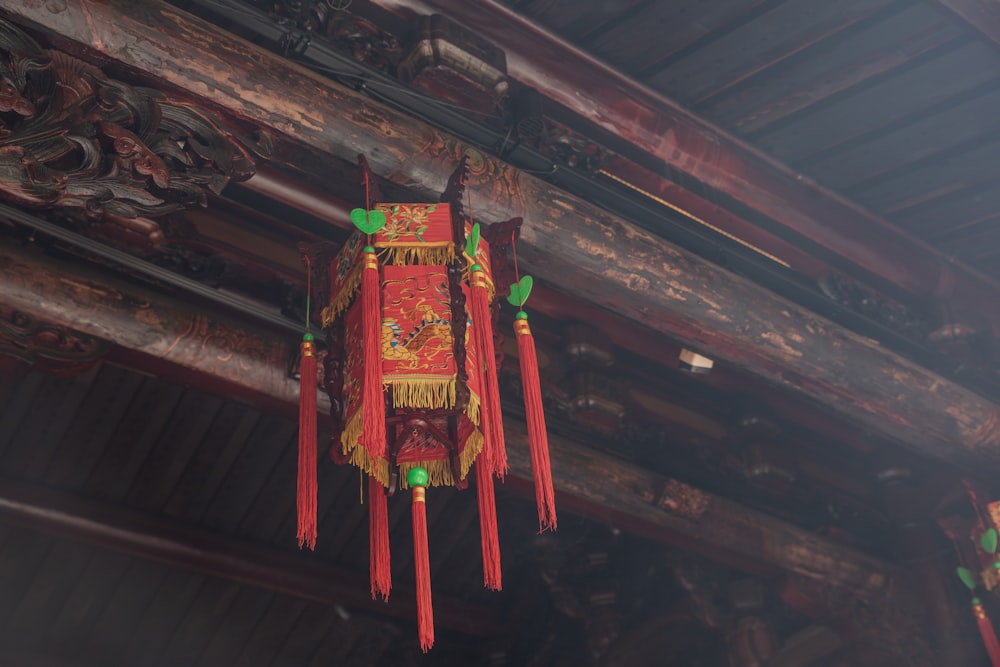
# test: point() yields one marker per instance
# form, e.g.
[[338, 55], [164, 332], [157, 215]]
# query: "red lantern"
[[410, 317]]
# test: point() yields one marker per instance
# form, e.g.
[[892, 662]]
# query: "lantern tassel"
[[986, 630], [380, 564], [538, 439], [371, 325], [494, 449], [417, 479], [492, 575], [306, 488]]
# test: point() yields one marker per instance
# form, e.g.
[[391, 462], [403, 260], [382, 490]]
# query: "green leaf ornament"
[[472, 242], [520, 291], [965, 574], [989, 541], [368, 222]]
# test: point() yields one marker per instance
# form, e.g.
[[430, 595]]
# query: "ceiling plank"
[[565, 241], [146, 536], [982, 15], [593, 484]]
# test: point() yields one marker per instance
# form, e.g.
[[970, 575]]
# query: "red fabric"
[[306, 488], [491, 418], [416, 324], [538, 439], [492, 575], [380, 564], [374, 438], [422, 565]]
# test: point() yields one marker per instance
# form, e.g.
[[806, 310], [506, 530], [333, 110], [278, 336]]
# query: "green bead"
[[416, 477], [308, 337], [368, 248], [475, 267], [976, 601], [996, 566], [521, 315]]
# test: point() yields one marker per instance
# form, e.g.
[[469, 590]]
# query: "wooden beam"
[[566, 242], [182, 341], [175, 544], [679, 515], [690, 145]]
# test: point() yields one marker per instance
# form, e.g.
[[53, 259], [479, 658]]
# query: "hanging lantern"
[[414, 390]]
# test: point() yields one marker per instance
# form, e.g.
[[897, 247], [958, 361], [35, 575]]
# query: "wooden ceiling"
[[125, 449], [892, 104]]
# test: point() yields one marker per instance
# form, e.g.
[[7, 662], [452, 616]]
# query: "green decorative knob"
[[416, 477]]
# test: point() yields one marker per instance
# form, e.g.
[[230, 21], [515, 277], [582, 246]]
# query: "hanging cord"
[[308, 294]]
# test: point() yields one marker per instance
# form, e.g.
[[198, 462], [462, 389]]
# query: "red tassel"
[[422, 564], [306, 490], [371, 326], [492, 575], [986, 630], [538, 439], [380, 565], [494, 449]]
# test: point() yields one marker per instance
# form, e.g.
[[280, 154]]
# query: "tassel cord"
[[988, 634], [373, 394], [538, 440], [380, 563], [492, 573], [491, 417], [306, 486], [421, 563]]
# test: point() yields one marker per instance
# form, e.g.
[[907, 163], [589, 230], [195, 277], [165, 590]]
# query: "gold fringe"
[[422, 392], [342, 299], [350, 443], [428, 254], [472, 410], [439, 471]]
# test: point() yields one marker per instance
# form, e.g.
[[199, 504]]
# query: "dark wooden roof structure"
[[800, 192]]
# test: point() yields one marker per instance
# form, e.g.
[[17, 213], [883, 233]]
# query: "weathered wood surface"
[[565, 242], [138, 534], [160, 329], [693, 146]]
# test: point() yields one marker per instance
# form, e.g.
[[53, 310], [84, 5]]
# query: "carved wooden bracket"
[[52, 347], [71, 136]]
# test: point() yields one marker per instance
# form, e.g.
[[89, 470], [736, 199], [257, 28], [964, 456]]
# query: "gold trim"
[[421, 392], [427, 254]]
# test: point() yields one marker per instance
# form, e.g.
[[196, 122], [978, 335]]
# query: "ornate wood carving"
[[53, 347], [74, 137]]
